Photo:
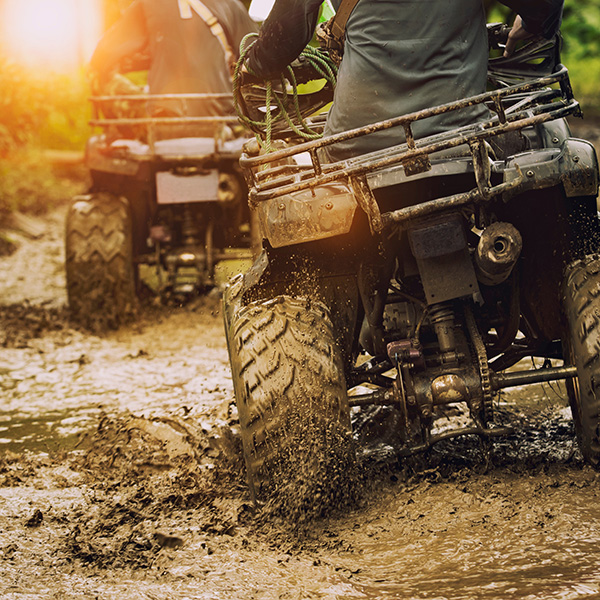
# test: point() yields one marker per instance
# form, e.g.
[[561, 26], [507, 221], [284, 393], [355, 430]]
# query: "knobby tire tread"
[[581, 303], [99, 262], [290, 391]]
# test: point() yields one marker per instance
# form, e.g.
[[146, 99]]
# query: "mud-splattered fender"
[[321, 212], [574, 165]]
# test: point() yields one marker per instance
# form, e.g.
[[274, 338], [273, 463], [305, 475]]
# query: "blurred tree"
[[580, 26], [23, 105]]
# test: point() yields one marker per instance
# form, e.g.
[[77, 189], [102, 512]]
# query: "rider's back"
[[405, 55], [186, 57]]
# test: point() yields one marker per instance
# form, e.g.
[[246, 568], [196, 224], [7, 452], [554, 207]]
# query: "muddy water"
[[121, 477], [491, 550]]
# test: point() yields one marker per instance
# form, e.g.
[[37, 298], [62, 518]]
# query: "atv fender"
[[254, 274], [308, 215], [574, 165]]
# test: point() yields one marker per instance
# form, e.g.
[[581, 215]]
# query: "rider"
[[400, 56], [187, 52]]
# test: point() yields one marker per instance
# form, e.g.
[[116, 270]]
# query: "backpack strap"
[[185, 10], [338, 25]]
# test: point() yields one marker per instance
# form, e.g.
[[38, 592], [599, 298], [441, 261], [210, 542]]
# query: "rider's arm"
[[284, 34], [237, 25], [517, 33], [126, 37], [539, 17]]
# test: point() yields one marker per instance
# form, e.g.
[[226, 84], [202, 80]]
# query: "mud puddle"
[[121, 477], [46, 432]]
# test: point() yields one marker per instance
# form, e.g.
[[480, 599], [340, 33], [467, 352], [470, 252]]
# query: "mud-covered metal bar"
[[493, 96], [505, 380]]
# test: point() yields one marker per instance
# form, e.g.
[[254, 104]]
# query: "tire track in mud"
[[149, 498]]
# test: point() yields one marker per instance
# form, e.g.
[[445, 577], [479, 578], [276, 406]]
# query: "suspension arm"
[[505, 380]]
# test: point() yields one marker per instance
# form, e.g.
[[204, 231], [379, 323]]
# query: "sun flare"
[[54, 34]]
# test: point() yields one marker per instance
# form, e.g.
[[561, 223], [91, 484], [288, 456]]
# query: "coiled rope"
[[287, 103]]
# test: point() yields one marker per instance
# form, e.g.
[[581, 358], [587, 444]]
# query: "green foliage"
[[498, 13], [581, 30], [41, 112], [66, 125], [29, 184], [585, 79], [23, 109], [36, 113]]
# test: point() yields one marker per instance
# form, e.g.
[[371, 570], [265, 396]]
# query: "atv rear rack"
[[516, 107], [142, 103]]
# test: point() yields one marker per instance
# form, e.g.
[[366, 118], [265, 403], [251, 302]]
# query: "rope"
[[288, 105]]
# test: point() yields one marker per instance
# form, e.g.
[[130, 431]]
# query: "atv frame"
[[424, 299], [169, 193]]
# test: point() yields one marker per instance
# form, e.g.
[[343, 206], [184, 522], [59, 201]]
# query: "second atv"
[[161, 197]]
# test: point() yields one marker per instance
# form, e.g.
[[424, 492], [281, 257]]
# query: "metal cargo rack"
[[149, 124], [513, 108]]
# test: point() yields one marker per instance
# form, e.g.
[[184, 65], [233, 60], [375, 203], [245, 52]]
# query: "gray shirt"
[[400, 56], [184, 55], [427, 53]]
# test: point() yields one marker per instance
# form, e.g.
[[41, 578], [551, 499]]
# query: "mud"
[[121, 476]]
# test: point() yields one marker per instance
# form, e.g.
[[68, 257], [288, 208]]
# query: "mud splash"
[[158, 507], [140, 471], [121, 477]]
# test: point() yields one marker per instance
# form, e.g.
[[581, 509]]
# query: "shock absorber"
[[189, 231], [442, 318]]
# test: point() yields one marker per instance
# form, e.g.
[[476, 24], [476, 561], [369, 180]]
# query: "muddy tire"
[[292, 402], [255, 235], [99, 262], [581, 303]]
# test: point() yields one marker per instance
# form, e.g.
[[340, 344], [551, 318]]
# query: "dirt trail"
[[121, 477]]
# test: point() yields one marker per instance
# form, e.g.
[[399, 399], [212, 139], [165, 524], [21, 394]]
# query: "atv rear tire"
[[581, 303], [292, 402], [99, 262]]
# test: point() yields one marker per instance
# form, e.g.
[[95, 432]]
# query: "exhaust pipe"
[[497, 253]]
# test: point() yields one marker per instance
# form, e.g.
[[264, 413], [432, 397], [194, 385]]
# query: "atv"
[[417, 278], [166, 192]]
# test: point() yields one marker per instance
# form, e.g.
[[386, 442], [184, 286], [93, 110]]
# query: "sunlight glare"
[[55, 34]]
